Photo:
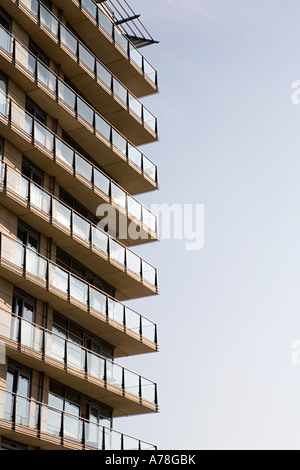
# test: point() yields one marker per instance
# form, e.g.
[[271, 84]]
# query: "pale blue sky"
[[229, 139]]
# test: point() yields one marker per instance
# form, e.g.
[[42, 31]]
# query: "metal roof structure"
[[128, 21]]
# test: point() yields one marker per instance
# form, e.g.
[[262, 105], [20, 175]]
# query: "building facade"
[[71, 123]]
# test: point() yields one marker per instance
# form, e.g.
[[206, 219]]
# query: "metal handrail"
[[61, 25], [86, 351], [12, 102], [41, 405], [87, 284], [72, 212], [78, 99]]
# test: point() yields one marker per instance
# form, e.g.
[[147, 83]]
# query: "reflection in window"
[[17, 403]]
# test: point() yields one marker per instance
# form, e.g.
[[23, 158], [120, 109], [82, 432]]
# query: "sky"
[[228, 315]]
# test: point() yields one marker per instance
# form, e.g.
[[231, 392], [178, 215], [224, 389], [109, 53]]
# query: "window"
[[47, 4], [67, 262], [18, 382], [23, 305], [28, 236], [69, 405], [32, 172], [74, 204], [34, 48], [24, 309], [69, 330], [75, 89], [33, 109], [100, 415], [11, 445], [64, 408], [71, 142], [1, 148], [3, 93], [66, 329], [5, 20], [80, 152]]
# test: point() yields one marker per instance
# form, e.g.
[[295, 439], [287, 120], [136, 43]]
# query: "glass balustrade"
[[83, 110], [75, 289], [133, 323], [134, 263], [52, 143], [55, 421], [84, 56], [77, 225], [116, 311], [58, 278], [75, 355]]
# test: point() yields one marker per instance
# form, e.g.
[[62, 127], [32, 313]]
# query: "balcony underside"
[[97, 93], [98, 41], [103, 47], [127, 284], [34, 438], [73, 182], [125, 173], [123, 405], [125, 341]]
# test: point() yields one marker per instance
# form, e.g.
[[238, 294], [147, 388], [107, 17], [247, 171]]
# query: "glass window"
[[11, 445], [28, 237], [100, 415], [3, 93], [18, 381], [32, 172], [76, 206], [67, 401], [35, 111], [47, 4], [23, 305], [67, 262], [5, 20], [69, 330], [37, 52]]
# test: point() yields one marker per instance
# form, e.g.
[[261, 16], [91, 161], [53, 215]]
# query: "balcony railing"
[[82, 55], [61, 92], [47, 420], [75, 290], [71, 354], [76, 225], [104, 23], [79, 165]]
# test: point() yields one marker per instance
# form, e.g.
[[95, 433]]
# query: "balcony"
[[120, 107], [119, 325], [131, 275], [49, 428], [117, 387], [113, 152], [111, 46], [82, 179]]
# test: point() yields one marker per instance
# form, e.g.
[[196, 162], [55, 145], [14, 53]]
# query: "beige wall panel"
[[12, 155], [6, 290], [8, 222]]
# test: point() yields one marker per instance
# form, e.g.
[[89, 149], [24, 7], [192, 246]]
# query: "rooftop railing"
[[61, 92], [48, 420], [72, 354], [54, 278], [35, 196]]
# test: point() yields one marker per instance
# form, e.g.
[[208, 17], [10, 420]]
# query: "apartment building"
[[72, 76]]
